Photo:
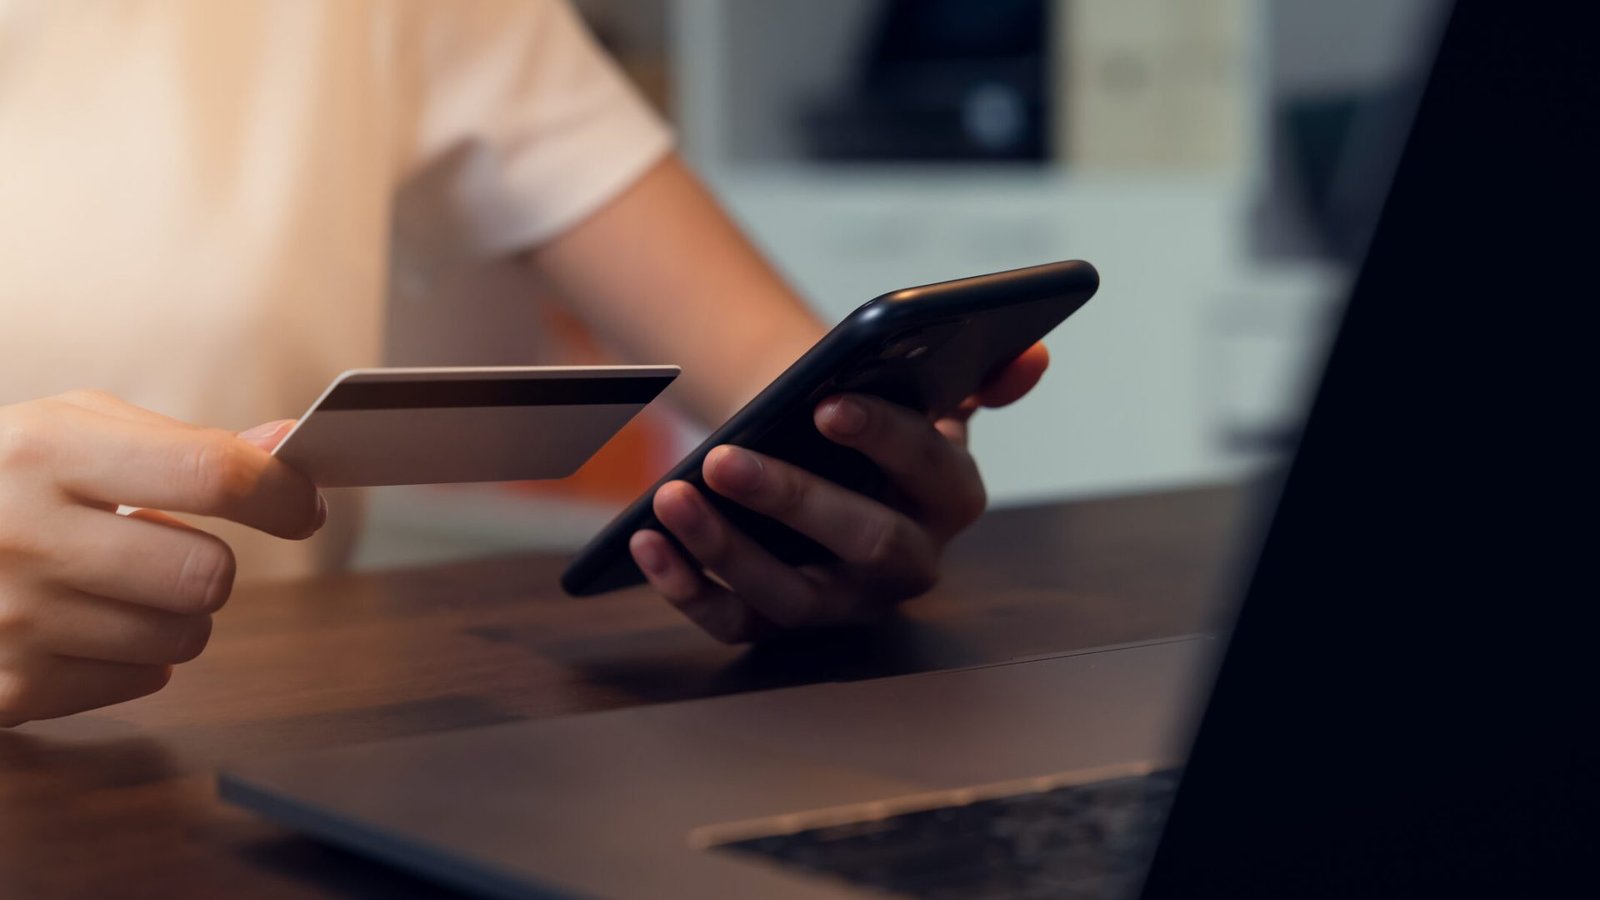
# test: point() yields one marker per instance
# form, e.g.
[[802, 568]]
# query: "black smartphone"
[[926, 348]]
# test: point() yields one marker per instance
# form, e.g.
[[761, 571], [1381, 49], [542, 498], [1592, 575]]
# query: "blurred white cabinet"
[[1124, 404]]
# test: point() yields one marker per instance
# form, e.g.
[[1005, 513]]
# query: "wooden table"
[[122, 802]]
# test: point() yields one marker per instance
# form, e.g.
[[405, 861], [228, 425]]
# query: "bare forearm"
[[664, 275]]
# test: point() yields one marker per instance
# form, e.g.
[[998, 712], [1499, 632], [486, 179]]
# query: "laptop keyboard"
[[1084, 840]]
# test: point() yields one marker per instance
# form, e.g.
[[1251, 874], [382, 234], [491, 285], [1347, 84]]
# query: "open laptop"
[[1397, 713]]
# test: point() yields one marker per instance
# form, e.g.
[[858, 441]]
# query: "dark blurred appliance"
[[1332, 144], [942, 80]]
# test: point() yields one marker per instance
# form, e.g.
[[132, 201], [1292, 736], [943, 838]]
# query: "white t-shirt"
[[200, 200]]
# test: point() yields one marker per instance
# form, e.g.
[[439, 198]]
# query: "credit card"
[[442, 425]]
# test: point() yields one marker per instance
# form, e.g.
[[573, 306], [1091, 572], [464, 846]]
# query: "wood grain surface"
[[122, 803]]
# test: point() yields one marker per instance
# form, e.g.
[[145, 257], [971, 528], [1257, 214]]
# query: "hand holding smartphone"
[[926, 348]]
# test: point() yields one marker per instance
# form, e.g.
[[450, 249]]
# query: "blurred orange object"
[[632, 460], [629, 463]]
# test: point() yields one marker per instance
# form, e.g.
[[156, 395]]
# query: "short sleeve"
[[519, 123]]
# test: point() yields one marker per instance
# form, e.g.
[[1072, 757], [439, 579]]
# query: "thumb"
[[267, 435]]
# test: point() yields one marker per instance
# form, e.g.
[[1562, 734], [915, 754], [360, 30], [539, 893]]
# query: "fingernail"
[[738, 470], [264, 432], [846, 417], [649, 557], [322, 513], [683, 513]]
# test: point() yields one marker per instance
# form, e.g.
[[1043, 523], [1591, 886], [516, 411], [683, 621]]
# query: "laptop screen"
[[1393, 715]]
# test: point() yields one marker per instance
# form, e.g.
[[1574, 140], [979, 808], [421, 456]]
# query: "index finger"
[[204, 471]]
